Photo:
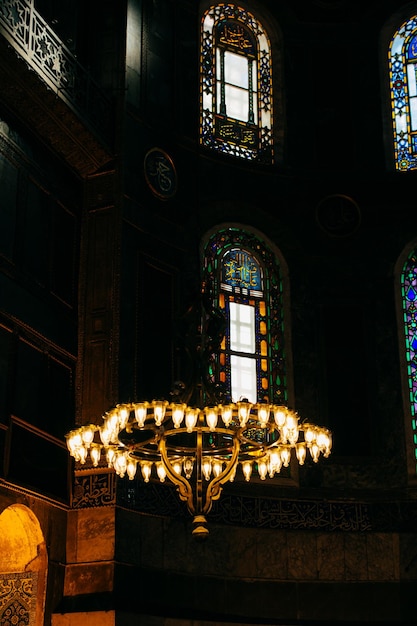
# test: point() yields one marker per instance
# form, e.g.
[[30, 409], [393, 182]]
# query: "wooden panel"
[[37, 462], [155, 314], [97, 397], [8, 185], [96, 372]]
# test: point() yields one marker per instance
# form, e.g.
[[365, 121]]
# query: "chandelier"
[[197, 448], [200, 439]]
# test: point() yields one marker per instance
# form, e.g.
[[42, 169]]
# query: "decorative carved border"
[[100, 488], [93, 488], [251, 511], [18, 592]]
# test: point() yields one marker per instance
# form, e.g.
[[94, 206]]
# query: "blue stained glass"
[[412, 48], [408, 285], [403, 54], [240, 269], [411, 294]]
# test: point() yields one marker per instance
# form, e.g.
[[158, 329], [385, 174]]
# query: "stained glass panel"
[[244, 278], [236, 84], [403, 86], [409, 298], [240, 269]]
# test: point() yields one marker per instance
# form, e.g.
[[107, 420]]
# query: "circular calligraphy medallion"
[[338, 215], [160, 173]]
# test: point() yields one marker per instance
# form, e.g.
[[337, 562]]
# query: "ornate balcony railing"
[[36, 43]]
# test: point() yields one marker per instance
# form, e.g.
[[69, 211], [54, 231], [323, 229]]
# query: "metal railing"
[[35, 42]]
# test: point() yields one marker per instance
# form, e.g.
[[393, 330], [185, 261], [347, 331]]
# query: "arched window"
[[409, 314], [236, 84], [403, 87], [245, 281]]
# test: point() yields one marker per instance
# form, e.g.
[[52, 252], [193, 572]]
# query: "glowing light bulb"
[[191, 417], [211, 417], [161, 471], [177, 414], [146, 469], [227, 414], [140, 413], [159, 407], [247, 469]]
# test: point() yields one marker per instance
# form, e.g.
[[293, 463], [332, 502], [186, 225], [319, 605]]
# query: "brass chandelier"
[[197, 448], [200, 439]]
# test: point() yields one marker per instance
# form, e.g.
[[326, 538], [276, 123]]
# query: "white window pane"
[[262, 42], [411, 75], [207, 101], [397, 45], [237, 103], [236, 69], [243, 375], [242, 327], [208, 24], [401, 124], [266, 120]]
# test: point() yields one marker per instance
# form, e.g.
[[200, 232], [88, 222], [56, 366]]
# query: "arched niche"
[[23, 567]]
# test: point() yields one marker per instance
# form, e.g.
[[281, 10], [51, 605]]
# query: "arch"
[[237, 99], [264, 297], [405, 274], [23, 566], [399, 43]]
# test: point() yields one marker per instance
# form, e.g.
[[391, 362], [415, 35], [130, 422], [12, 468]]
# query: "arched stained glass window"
[[236, 84], [403, 87], [409, 302], [244, 279]]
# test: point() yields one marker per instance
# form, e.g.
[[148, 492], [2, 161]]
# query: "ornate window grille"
[[236, 84], [403, 87]]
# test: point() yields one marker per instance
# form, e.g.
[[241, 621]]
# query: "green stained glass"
[[409, 290], [238, 268]]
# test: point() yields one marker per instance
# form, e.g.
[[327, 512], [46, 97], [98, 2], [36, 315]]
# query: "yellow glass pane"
[[264, 365], [262, 308], [223, 343], [262, 328], [264, 350], [264, 383], [221, 300]]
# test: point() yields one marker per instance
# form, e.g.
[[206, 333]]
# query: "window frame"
[[217, 131], [214, 246], [404, 137], [409, 406]]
